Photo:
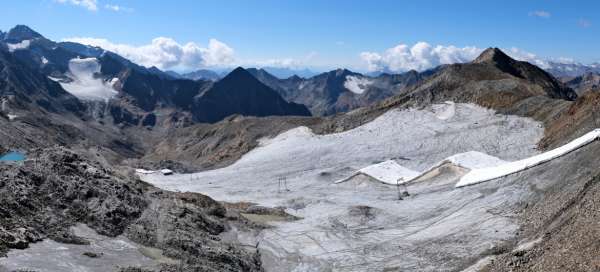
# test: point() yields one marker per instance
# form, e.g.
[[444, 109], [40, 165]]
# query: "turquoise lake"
[[12, 156]]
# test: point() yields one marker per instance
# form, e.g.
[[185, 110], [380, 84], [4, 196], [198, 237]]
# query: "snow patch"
[[44, 60], [357, 85], [488, 173], [144, 171], [527, 245], [12, 47], [84, 84]]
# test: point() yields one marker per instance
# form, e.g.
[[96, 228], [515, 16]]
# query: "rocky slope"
[[583, 83], [57, 189], [560, 225]]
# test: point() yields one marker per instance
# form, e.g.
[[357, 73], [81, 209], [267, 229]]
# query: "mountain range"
[[136, 95], [115, 116], [560, 70]]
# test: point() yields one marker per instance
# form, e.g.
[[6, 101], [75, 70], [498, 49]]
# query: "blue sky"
[[322, 34]]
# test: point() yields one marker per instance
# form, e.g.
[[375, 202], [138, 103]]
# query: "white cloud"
[[521, 55], [166, 53], [420, 56], [540, 13], [118, 8], [423, 56], [87, 4]]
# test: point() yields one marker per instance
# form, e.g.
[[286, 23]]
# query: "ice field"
[[360, 224]]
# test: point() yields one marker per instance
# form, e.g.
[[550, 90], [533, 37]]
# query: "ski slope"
[[361, 225]]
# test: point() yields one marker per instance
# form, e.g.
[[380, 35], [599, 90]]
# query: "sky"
[[320, 35]]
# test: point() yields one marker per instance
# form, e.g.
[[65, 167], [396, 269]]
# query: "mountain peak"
[[492, 54], [238, 73], [20, 33], [239, 69]]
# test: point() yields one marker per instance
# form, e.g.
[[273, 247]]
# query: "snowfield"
[[360, 225], [84, 84], [356, 84], [12, 47]]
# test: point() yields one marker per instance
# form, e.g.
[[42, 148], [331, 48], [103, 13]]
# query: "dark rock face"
[[149, 120], [20, 33], [58, 188], [241, 93]]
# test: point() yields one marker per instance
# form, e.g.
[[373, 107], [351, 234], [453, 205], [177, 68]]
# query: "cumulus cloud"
[[166, 53], [117, 8], [521, 55], [87, 4], [421, 56], [540, 13]]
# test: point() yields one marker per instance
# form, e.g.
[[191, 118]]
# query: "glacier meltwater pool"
[[12, 156]]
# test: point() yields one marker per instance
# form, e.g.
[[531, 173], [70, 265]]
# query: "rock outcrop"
[[57, 188]]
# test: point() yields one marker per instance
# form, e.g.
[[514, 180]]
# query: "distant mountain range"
[[206, 74], [339, 90], [134, 95], [561, 70], [583, 83]]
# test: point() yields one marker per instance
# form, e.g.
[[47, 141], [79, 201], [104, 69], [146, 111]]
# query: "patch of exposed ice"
[[84, 84], [49, 256], [357, 85], [12, 47], [488, 173], [444, 111]]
